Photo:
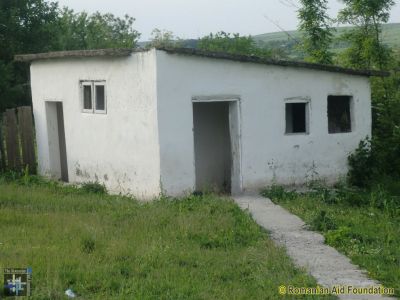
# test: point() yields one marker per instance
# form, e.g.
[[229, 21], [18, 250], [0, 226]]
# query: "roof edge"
[[113, 52], [268, 61], [120, 52]]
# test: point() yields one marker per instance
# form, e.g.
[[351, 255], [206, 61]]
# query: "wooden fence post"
[[2, 152], [12, 143], [26, 132]]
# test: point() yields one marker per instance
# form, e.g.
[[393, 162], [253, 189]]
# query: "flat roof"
[[74, 53], [120, 52]]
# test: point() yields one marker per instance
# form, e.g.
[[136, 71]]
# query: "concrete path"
[[306, 248]]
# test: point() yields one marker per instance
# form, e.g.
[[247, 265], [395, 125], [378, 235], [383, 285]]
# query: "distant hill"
[[391, 37]]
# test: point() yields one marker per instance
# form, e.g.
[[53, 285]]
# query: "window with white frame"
[[93, 96], [297, 115]]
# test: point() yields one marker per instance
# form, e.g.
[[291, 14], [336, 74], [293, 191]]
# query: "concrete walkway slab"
[[307, 248]]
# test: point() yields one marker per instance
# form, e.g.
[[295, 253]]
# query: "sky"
[[197, 18]]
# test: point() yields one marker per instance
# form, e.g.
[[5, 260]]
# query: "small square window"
[[87, 97], [100, 98], [296, 117], [93, 95], [339, 114]]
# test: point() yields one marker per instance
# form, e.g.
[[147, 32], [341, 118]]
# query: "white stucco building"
[[145, 122]]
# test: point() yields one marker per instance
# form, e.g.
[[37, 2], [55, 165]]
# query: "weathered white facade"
[[119, 148], [157, 133]]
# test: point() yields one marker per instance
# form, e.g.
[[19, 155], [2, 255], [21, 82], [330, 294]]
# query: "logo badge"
[[17, 281]]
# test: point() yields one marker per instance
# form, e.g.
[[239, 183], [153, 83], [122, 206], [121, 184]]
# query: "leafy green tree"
[[366, 48], [32, 26], [231, 43], [379, 158], [78, 31], [25, 26], [314, 23]]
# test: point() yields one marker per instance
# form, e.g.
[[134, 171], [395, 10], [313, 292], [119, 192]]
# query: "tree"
[[32, 26], [366, 48], [96, 31], [25, 26], [314, 23], [381, 159], [231, 43]]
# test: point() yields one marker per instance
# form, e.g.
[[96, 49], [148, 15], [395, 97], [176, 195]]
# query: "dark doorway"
[[63, 146], [212, 142]]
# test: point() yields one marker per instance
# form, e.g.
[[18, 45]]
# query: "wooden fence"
[[17, 149]]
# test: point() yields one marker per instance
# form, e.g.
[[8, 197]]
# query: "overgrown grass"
[[110, 247], [364, 225]]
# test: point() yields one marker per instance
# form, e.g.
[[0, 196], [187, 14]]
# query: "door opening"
[[56, 140], [216, 142]]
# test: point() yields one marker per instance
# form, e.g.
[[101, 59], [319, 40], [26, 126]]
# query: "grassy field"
[[110, 247], [365, 226]]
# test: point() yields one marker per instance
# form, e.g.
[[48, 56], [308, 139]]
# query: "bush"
[[378, 159], [323, 222], [337, 237], [361, 165], [94, 187]]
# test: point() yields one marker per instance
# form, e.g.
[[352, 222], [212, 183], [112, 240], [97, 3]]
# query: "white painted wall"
[[120, 148], [144, 144], [268, 154]]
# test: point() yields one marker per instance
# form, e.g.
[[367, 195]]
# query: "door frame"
[[58, 161], [235, 137]]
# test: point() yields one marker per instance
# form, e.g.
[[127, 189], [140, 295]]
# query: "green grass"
[[365, 226], [111, 247]]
